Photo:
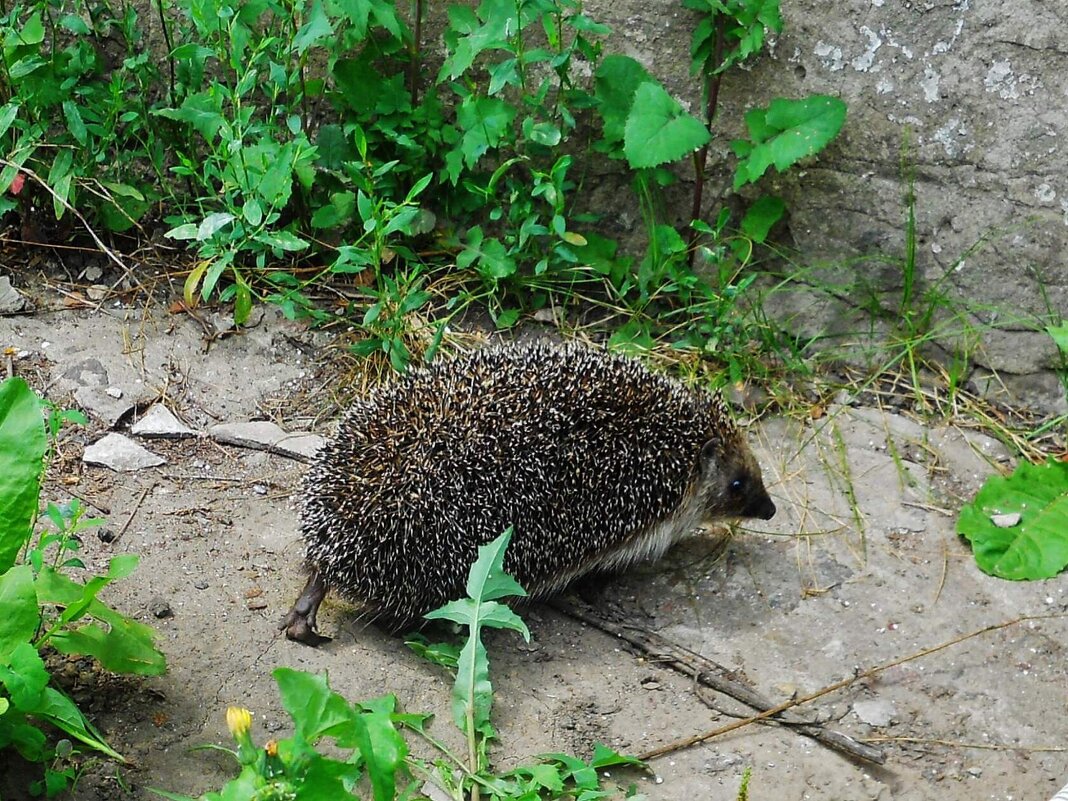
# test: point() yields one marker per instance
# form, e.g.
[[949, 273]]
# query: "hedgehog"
[[595, 462]]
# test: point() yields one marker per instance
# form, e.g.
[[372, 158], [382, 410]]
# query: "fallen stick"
[[685, 661], [711, 674]]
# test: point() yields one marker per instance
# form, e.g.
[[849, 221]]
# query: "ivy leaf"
[[659, 130], [784, 133], [1036, 545]]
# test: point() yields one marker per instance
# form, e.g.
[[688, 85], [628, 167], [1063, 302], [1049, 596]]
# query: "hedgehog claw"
[[299, 624]]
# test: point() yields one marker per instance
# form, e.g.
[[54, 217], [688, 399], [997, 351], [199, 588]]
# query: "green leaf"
[[25, 677], [1060, 336], [617, 80], [316, 28], [485, 122], [126, 646], [383, 750], [340, 209], [22, 449], [472, 693], [1034, 546], [74, 24], [7, 116], [63, 713], [201, 111], [315, 708], [183, 231], [786, 132], [658, 130], [283, 240], [761, 216], [213, 223], [75, 124]]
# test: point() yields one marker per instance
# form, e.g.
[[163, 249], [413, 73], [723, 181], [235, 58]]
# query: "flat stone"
[[266, 436], [159, 421], [11, 300], [121, 454], [874, 713], [103, 406]]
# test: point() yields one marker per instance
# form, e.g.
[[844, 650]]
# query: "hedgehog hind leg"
[[299, 623]]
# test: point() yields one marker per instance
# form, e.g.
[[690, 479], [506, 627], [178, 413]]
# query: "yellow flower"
[[271, 747], [238, 721]]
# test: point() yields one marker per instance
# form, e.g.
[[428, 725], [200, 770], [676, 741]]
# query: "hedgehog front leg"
[[299, 624]]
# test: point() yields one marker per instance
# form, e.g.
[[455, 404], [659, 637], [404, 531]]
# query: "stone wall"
[[975, 94]]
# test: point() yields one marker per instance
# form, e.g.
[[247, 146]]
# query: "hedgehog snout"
[[761, 507]]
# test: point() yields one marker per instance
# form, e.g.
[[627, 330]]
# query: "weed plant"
[[46, 608], [297, 144]]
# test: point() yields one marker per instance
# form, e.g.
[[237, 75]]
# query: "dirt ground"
[[860, 567]]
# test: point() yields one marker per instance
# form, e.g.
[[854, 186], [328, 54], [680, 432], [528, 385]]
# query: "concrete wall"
[[979, 88]]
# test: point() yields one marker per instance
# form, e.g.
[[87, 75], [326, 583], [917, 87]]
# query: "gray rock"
[[103, 406], [121, 454], [266, 436], [11, 300], [874, 713], [159, 421]]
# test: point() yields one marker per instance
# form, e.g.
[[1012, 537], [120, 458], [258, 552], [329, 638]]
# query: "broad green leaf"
[[761, 216], [201, 111], [283, 240], [22, 449], [786, 132], [659, 130], [74, 24], [1035, 546], [183, 231], [315, 708], [123, 647], [383, 750], [213, 223], [1060, 336], [340, 209], [25, 677], [316, 28], [618, 78], [485, 121], [33, 31]]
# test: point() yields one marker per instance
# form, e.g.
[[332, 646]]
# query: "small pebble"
[[105, 535], [201, 584], [256, 604], [114, 392]]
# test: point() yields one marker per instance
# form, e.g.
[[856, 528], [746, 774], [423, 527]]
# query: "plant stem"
[[170, 48], [713, 78], [415, 53]]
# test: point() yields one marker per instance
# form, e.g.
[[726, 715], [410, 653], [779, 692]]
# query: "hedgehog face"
[[731, 485]]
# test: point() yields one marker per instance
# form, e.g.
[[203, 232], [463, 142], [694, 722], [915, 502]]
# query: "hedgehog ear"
[[711, 452]]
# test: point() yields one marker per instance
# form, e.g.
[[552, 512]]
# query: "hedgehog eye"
[[737, 485]]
